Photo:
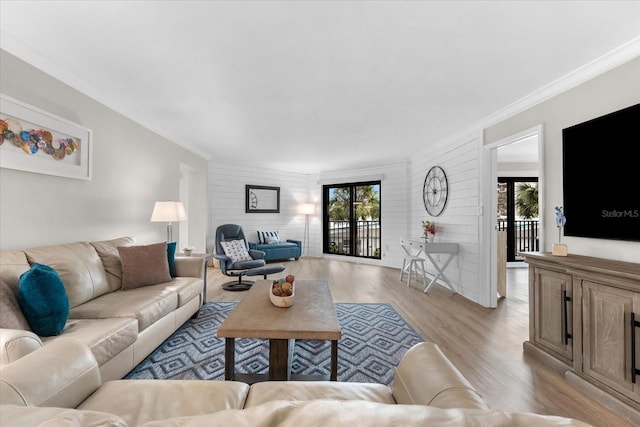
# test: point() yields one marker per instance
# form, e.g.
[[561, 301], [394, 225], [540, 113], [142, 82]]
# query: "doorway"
[[519, 155], [192, 187]]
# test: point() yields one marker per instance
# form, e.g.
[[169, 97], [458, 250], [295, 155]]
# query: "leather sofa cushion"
[[105, 337], [296, 414], [140, 401], [147, 304], [310, 390], [12, 265], [187, 288], [357, 413], [191, 266], [108, 253], [79, 267]]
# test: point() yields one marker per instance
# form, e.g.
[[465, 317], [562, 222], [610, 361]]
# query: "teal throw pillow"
[[171, 256], [43, 300]]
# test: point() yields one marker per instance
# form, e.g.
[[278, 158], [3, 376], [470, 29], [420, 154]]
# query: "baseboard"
[[546, 358], [615, 405]]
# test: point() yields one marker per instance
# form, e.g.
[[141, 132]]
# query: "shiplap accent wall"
[[227, 204], [460, 219], [227, 201]]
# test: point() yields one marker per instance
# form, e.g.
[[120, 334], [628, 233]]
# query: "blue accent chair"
[[254, 267]]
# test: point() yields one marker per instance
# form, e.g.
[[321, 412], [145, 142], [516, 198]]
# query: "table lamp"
[[168, 212]]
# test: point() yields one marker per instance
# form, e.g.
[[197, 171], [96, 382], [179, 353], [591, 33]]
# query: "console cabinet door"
[[606, 331], [553, 312]]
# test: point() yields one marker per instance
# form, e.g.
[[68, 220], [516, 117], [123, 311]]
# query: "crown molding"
[[607, 62], [36, 59]]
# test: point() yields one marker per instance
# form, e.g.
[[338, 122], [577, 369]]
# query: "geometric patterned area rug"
[[374, 339]]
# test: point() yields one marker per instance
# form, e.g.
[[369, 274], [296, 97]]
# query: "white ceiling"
[[312, 86]]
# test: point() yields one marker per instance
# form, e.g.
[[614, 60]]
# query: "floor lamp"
[[168, 212], [307, 209]]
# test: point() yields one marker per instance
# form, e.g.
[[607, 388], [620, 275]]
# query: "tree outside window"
[[352, 223]]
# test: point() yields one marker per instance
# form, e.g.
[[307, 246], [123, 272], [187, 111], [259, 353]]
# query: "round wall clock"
[[435, 191]]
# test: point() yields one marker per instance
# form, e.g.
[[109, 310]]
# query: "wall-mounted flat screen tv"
[[601, 176]]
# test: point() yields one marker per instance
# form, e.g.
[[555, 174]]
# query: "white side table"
[[436, 248]]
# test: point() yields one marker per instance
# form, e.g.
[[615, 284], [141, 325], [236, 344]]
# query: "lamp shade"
[[168, 212], [307, 208]]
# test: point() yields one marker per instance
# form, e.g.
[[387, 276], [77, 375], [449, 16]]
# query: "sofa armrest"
[[425, 376], [190, 266], [297, 242], [16, 343], [63, 373]]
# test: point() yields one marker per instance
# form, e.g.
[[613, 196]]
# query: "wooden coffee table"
[[311, 317]]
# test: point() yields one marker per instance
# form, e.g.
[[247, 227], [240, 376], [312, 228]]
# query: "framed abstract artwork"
[[261, 199], [34, 140]]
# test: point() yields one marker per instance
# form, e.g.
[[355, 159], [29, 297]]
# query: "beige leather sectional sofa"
[[120, 327], [427, 390]]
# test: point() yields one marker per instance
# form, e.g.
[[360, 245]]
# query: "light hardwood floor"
[[485, 344]]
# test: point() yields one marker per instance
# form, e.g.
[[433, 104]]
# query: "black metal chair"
[[238, 269]]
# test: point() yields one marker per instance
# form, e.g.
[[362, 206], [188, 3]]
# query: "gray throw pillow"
[[11, 316], [236, 250], [144, 265]]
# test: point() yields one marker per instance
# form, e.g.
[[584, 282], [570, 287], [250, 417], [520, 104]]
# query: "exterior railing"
[[367, 238], [526, 234]]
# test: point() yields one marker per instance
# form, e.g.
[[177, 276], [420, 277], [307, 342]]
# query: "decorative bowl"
[[284, 300]]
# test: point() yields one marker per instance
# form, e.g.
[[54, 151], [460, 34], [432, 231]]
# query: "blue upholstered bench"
[[279, 251]]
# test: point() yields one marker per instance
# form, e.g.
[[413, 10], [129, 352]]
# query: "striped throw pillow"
[[268, 237]]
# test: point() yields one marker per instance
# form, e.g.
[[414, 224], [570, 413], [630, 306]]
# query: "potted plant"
[[430, 228]]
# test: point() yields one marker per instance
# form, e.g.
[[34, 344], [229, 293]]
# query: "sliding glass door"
[[351, 219], [518, 214]]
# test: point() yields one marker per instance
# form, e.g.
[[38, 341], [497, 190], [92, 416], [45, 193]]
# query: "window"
[[351, 221]]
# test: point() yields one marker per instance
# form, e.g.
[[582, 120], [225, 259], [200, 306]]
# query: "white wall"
[[132, 168], [603, 94], [459, 158], [227, 202]]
